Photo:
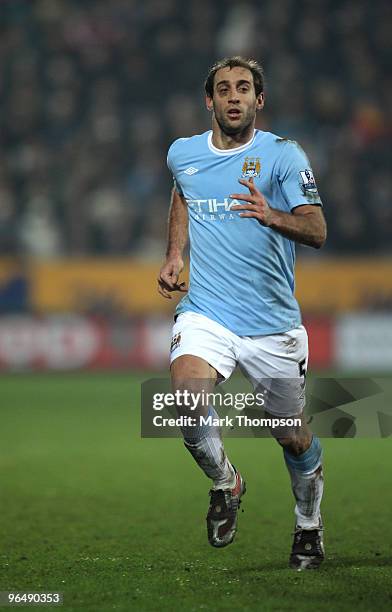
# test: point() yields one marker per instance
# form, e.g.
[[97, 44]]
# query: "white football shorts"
[[276, 363]]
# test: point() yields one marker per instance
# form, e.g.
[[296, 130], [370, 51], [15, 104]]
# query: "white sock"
[[308, 492], [208, 451], [210, 456]]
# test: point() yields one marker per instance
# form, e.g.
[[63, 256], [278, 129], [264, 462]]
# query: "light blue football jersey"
[[241, 273]]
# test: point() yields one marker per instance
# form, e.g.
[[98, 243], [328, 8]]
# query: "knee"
[[295, 444], [188, 370], [307, 461]]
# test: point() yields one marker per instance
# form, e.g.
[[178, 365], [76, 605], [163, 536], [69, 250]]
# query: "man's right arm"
[[177, 239]]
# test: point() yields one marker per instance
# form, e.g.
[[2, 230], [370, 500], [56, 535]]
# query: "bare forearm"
[[305, 224], [309, 229], [169, 274], [177, 226]]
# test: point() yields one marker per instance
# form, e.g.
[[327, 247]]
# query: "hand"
[[257, 204], [168, 277]]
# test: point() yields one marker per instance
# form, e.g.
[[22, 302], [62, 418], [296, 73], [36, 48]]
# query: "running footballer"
[[243, 197]]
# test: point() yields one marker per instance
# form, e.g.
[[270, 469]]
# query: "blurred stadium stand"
[[92, 93]]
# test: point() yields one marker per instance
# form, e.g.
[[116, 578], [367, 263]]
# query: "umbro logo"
[[191, 171]]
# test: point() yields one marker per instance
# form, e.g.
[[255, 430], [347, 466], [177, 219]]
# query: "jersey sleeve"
[[296, 177], [171, 164]]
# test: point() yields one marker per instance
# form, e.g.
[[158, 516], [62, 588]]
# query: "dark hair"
[[231, 62]]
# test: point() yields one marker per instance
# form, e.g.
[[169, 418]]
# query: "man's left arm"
[[305, 224]]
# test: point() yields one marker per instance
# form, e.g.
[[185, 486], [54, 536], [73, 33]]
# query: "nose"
[[233, 98]]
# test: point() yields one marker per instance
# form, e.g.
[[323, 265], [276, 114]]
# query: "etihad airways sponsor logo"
[[213, 210]]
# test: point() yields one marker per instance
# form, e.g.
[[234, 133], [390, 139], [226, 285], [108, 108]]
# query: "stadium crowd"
[[92, 93]]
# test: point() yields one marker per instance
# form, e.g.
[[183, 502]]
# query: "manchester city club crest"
[[175, 343], [251, 167]]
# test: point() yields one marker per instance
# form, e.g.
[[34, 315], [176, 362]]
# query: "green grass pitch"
[[117, 522]]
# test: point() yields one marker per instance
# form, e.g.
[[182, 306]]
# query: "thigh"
[[277, 365], [192, 375], [200, 358], [196, 336]]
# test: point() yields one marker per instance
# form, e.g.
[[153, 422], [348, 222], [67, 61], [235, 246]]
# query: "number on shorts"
[[302, 368], [302, 371]]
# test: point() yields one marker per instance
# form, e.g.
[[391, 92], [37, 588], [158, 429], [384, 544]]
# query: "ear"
[[260, 101], [209, 103]]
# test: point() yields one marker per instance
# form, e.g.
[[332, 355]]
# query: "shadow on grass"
[[376, 560], [330, 563]]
